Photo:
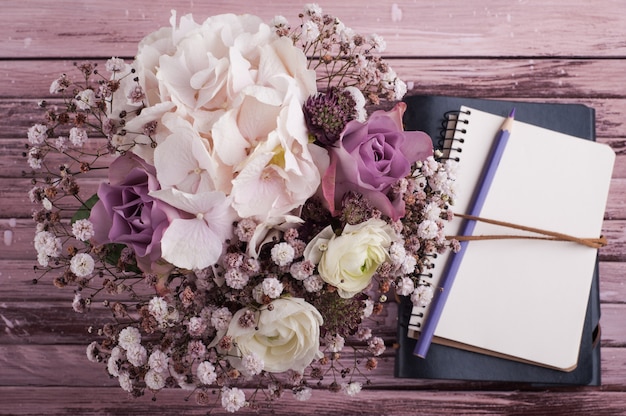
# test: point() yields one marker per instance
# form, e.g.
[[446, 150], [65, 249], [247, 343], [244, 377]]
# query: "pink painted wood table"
[[536, 50]]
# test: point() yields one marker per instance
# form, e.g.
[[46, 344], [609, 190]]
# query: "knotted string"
[[546, 235]]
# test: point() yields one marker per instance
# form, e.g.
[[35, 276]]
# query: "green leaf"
[[85, 210]]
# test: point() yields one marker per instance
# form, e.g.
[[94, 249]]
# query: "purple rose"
[[126, 214], [371, 157]]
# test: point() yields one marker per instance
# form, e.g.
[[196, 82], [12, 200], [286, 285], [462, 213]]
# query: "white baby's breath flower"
[[78, 136], [313, 283], [351, 388], [377, 42], [279, 21], [158, 361], [47, 245], [303, 394], [92, 352], [368, 309], [113, 367], [196, 326], [397, 253], [405, 286], [400, 89], [206, 373], [47, 205], [158, 309], [335, 342], [115, 64], [129, 337], [83, 230], [85, 99], [137, 355], [282, 254], [233, 399], [252, 364], [422, 295], [359, 100], [272, 287], [310, 31], [428, 230], [78, 304], [82, 265], [155, 380], [312, 10], [236, 279], [408, 265], [34, 158], [221, 318], [125, 382], [37, 134]]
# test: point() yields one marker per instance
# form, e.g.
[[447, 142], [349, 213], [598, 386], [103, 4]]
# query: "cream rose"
[[286, 335], [349, 261]]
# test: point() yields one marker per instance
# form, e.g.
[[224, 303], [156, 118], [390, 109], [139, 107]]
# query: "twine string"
[[545, 234]]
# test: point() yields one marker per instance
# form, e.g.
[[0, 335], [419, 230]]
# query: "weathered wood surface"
[[536, 50]]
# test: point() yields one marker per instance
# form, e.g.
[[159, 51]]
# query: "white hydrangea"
[[137, 355], [155, 380], [158, 361], [206, 373], [233, 399], [82, 265], [129, 337], [83, 230], [405, 286], [272, 287], [282, 254], [221, 319]]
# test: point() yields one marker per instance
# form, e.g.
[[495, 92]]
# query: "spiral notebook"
[[524, 300]]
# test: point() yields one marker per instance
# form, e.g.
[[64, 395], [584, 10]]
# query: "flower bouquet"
[[255, 217]]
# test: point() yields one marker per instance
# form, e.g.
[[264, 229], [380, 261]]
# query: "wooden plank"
[[548, 78], [110, 401], [40, 28], [38, 365], [29, 321]]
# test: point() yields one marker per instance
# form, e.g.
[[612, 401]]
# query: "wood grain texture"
[[531, 50]]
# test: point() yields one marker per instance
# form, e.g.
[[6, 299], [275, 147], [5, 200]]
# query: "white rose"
[[288, 335], [349, 261]]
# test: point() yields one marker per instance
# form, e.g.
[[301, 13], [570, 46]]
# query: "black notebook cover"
[[426, 113]]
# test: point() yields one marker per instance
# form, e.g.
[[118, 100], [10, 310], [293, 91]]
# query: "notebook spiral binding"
[[450, 143], [453, 122]]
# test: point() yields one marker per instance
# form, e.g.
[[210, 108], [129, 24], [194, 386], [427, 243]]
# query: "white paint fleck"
[[508, 17], [7, 322], [27, 42], [12, 222], [410, 85], [396, 13], [8, 237]]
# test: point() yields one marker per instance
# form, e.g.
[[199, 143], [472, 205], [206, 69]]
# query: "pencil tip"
[[512, 113]]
